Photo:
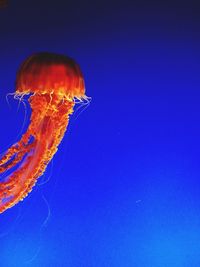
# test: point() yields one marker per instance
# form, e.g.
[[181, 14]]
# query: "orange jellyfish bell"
[[47, 73], [54, 82]]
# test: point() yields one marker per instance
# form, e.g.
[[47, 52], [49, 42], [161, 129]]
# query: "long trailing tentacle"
[[49, 121]]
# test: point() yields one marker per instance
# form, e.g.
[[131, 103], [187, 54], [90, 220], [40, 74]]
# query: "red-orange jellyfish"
[[53, 82]]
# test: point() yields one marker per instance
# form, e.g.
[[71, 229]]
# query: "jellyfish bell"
[[45, 73], [53, 82]]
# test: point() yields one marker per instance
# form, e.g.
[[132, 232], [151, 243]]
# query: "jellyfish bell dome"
[[44, 73]]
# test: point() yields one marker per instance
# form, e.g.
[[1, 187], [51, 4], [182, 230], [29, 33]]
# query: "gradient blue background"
[[123, 189]]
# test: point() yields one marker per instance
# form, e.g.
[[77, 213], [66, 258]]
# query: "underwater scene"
[[100, 134]]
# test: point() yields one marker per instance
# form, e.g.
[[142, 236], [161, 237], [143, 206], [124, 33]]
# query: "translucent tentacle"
[[49, 121]]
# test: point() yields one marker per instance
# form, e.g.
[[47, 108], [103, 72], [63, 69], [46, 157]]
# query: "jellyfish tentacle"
[[41, 151], [15, 148], [17, 157]]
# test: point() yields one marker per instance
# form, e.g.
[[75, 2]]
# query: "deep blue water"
[[123, 190]]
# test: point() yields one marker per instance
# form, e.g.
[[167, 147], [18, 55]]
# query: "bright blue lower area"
[[123, 190]]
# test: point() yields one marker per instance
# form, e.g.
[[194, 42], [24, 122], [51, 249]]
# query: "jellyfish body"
[[53, 82]]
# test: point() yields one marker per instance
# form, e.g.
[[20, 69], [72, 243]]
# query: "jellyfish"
[[52, 83]]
